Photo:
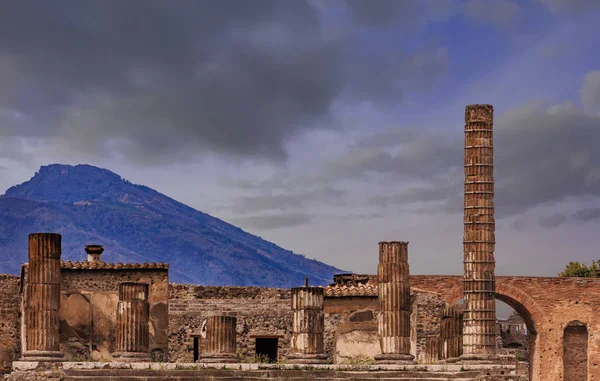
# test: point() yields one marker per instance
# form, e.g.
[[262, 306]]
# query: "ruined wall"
[[260, 312], [10, 322], [351, 326], [427, 309], [88, 310], [547, 305]]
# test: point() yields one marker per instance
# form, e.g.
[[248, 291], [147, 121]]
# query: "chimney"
[[94, 252]]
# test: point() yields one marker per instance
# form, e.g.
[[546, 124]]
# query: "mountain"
[[90, 205]]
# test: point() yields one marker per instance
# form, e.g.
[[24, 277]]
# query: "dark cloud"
[[552, 221], [543, 155], [588, 214], [157, 80], [275, 221]]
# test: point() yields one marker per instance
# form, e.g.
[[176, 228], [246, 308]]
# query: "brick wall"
[[10, 322], [260, 312]]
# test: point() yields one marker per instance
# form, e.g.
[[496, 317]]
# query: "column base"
[[479, 358], [308, 358], [132, 357], [218, 358], [450, 360], [49, 356], [395, 358]]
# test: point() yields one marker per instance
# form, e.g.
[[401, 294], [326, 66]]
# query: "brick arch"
[[525, 305]]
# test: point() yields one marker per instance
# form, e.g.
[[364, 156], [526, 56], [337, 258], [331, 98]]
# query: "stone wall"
[[10, 322], [427, 309], [351, 326], [260, 312], [88, 310]]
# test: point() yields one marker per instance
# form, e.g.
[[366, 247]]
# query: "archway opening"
[[575, 355], [505, 307]]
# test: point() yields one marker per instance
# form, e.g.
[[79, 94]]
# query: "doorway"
[[266, 347]]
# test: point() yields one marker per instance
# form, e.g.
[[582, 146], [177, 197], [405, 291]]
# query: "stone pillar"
[[132, 323], [451, 334], [43, 298], [220, 340], [394, 304], [479, 319], [308, 326]]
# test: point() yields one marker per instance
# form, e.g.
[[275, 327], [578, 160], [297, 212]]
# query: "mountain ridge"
[[88, 204]]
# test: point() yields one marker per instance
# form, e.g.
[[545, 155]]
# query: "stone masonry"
[[394, 303], [132, 323], [43, 298], [479, 320], [10, 325]]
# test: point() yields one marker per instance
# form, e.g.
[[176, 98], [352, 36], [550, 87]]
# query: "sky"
[[324, 126]]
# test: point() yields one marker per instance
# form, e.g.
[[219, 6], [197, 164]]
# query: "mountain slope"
[[87, 205]]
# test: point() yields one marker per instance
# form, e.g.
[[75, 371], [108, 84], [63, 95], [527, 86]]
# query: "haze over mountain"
[[91, 205]]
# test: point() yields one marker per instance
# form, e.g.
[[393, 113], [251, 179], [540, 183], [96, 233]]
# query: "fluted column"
[[451, 334], [220, 340], [394, 304], [479, 319], [308, 326], [43, 298], [132, 323]]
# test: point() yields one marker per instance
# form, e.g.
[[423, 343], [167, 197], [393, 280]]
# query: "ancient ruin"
[[89, 320], [479, 317], [220, 340], [132, 323], [394, 304], [308, 325], [43, 298]]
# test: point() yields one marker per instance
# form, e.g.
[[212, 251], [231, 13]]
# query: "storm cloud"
[[158, 81]]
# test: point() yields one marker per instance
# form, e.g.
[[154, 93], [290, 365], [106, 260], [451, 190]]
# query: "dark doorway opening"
[[196, 351], [267, 347]]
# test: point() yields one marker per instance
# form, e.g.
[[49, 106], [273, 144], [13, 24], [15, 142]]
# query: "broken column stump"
[[220, 340], [43, 298], [479, 318], [308, 326], [451, 335], [132, 323], [393, 324]]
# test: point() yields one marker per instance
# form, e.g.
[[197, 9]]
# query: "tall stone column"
[[394, 304], [132, 323], [451, 334], [220, 340], [308, 326], [479, 319], [43, 298]]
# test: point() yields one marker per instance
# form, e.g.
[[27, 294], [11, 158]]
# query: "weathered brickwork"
[[10, 322], [547, 305], [260, 312]]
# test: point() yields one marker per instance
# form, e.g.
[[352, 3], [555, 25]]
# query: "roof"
[[345, 290], [359, 285], [99, 265]]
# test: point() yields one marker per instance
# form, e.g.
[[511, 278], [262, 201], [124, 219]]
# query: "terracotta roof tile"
[[345, 290], [98, 265], [348, 285]]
